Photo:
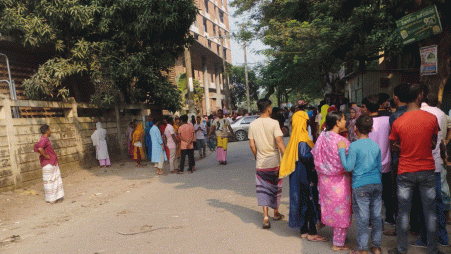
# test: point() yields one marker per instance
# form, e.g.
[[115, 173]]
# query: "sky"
[[253, 57]]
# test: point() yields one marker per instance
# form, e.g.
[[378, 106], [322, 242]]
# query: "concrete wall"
[[71, 140]]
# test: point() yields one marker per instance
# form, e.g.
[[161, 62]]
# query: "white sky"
[[237, 50]]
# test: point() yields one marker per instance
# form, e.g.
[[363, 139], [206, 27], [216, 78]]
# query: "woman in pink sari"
[[334, 183]]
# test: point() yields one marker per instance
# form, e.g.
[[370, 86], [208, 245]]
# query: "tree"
[[327, 34], [239, 85], [121, 48]]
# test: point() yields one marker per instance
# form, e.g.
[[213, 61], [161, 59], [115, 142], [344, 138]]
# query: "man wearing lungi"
[[265, 139], [220, 125], [53, 184]]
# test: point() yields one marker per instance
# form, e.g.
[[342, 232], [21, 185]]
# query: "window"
[[224, 52], [206, 6], [209, 44], [221, 16], [205, 25], [212, 78], [214, 30], [196, 37], [219, 50], [220, 34]]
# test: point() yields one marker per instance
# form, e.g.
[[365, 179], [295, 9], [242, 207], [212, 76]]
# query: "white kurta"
[[99, 142]]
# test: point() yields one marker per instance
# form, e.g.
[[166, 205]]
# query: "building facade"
[[212, 43]]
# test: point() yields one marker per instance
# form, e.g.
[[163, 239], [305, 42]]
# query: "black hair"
[[169, 119], [413, 92], [432, 100], [401, 92], [350, 104], [184, 118], [371, 103], [364, 124], [383, 97], [219, 110], [44, 128], [210, 117], [332, 118], [302, 107], [263, 105], [425, 90]]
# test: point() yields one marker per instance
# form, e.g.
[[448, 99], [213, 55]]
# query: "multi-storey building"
[[211, 26]]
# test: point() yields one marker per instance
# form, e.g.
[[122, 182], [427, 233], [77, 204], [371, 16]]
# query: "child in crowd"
[[334, 183], [364, 161]]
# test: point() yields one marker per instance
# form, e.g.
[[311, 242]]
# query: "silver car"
[[241, 127]]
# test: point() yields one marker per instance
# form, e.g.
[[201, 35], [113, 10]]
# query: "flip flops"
[[280, 217], [266, 225], [317, 238]]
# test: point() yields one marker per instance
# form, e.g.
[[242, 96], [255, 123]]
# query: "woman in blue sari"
[[148, 140]]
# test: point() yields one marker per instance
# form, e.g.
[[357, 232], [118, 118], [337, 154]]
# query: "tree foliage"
[[198, 93], [324, 35], [238, 81], [121, 47]]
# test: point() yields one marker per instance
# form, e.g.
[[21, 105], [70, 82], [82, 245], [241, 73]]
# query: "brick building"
[[211, 24]]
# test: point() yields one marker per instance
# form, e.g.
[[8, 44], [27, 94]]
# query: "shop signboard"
[[419, 25], [428, 60]]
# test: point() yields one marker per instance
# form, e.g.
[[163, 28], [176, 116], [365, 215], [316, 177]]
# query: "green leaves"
[[122, 47]]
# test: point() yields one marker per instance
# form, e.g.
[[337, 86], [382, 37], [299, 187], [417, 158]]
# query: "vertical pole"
[[189, 78], [225, 77], [247, 80], [206, 86]]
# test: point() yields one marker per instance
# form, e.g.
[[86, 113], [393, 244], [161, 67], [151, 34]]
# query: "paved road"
[[213, 210]]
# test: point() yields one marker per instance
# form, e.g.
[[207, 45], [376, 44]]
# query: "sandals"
[[281, 216], [340, 248], [303, 236], [266, 225], [317, 238]]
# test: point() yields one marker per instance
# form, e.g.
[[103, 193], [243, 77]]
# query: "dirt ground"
[[25, 210]]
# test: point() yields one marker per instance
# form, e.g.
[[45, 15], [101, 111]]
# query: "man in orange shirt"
[[186, 135]]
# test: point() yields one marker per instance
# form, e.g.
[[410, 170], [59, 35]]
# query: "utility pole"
[[225, 76], [247, 80], [189, 79]]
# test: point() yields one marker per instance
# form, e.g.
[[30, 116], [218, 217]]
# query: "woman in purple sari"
[[334, 183]]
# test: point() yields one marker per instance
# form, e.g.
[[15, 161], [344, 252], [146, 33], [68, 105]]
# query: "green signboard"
[[419, 25]]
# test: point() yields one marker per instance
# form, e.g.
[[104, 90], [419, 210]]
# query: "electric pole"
[[189, 80], [247, 80]]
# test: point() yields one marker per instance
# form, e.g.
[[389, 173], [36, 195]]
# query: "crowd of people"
[[356, 161], [389, 154], [169, 139]]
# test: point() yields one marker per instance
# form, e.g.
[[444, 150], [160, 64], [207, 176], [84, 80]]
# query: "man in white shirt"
[[430, 104], [170, 140], [200, 129], [265, 139]]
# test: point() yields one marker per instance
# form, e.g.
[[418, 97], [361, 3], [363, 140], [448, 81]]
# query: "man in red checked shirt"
[[53, 184]]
